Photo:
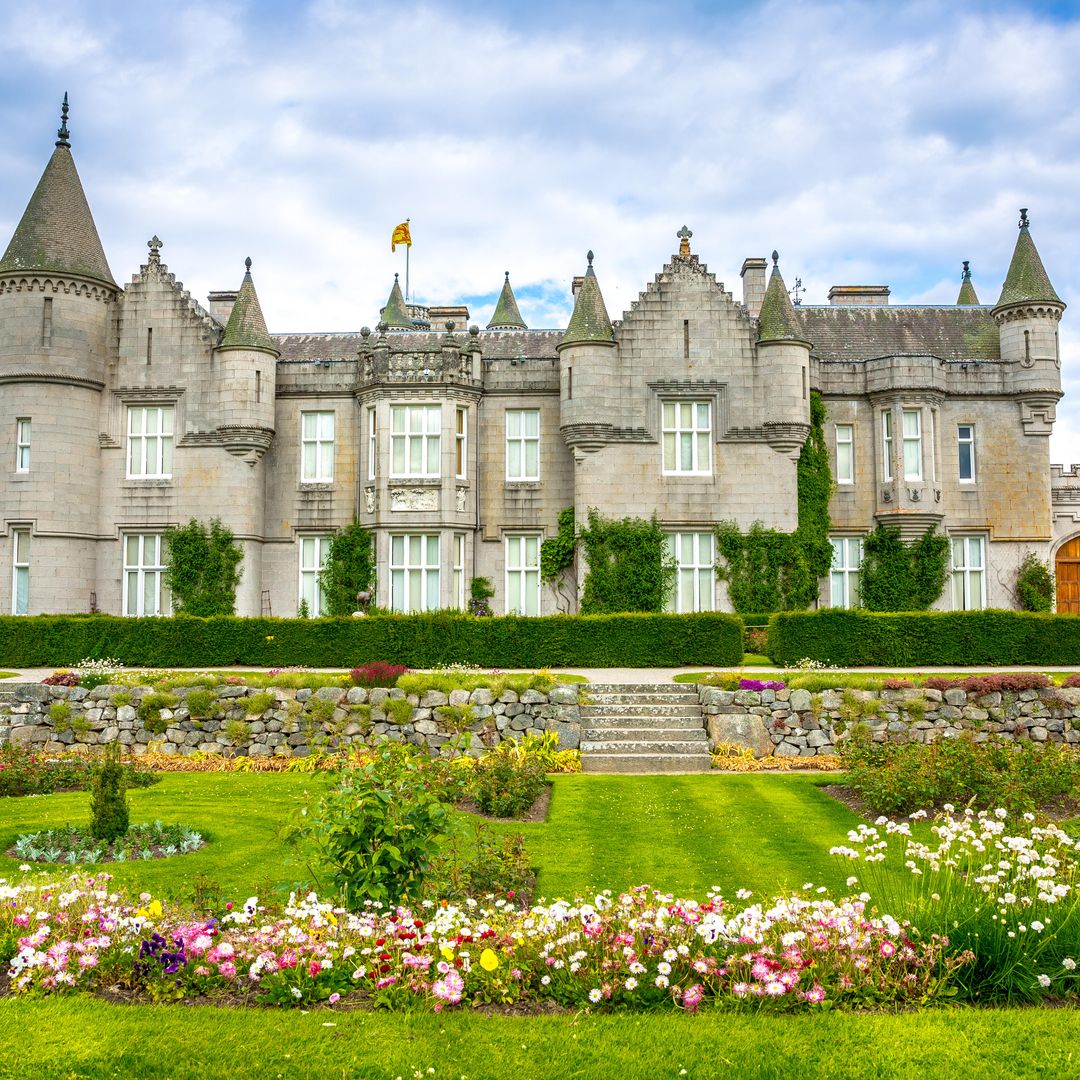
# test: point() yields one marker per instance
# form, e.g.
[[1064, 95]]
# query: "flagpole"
[[408, 249]]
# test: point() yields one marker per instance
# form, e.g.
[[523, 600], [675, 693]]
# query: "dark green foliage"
[[27, 772], [557, 552], [419, 641], [902, 778], [479, 862], [108, 799], [769, 570], [506, 783], [348, 570], [480, 594], [895, 576], [921, 639], [630, 568], [1035, 584], [203, 569]]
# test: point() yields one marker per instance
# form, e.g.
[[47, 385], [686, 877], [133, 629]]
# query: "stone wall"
[[797, 723], [293, 723]]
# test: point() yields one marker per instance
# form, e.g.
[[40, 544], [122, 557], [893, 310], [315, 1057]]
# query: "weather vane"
[[796, 291]]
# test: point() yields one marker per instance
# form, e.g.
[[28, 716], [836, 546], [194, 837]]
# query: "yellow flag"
[[401, 236]]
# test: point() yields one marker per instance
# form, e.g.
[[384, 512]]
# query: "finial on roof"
[[395, 277], [967, 295], [63, 136], [776, 259], [684, 235], [589, 256], [507, 273], [966, 276], [154, 244], [1023, 217], [247, 264]]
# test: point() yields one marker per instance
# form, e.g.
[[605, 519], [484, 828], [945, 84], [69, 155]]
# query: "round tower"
[[57, 304]]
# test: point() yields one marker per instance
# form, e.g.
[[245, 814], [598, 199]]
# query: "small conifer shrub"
[[108, 800]]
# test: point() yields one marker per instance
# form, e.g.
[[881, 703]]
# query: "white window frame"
[[372, 442], [694, 556], [310, 588], [20, 571], [520, 442], [411, 564], [674, 430], [150, 450], [461, 442], [22, 444], [522, 574], [415, 441], [844, 571], [317, 467], [914, 442], [886, 446], [965, 570], [968, 441], [142, 569], [845, 475], [459, 571]]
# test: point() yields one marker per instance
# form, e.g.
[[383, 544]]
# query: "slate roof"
[[247, 327], [395, 314], [507, 315], [967, 295], [57, 233], [862, 333], [777, 320], [497, 345], [1027, 279], [590, 320]]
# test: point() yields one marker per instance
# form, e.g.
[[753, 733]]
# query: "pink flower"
[[774, 988], [815, 995], [887, 948], [692, 997], [334, 999], [314, 968], [228, 969]]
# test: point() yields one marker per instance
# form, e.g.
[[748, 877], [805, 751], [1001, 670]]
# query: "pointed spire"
[[396, 315], [507, 316], [967, 297], [590, 322], [247, 327], [57, 232], [1027, 280], [777, 320]]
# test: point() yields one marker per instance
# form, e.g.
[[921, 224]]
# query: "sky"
[[867, 143]]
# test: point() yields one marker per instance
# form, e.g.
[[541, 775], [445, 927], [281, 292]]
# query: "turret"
[[967, 297], [587, 362], [506, 315], [1027, 314], [395, 315], [247, 363], [784, 368]]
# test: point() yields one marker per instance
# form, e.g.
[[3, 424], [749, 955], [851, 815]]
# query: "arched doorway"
[[1067, 576]]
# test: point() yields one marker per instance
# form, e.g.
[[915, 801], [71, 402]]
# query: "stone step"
[[638, 688], [615, 700], [631, 734], [644, 709], [645, 746], [645, 763], [683, 723]]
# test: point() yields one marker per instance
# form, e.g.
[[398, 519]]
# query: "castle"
[[129, 409]]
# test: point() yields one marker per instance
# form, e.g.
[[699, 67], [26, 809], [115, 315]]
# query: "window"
[[968, 573], [414, 573], [692, 554], [20, 575], [523, 575], [522, 444], [415, 440], [145, 593], [845, 454], [150, 442], [459, 571], [22, 445], [687, 434], [844, 575], [886, 446], [965, 449], [461, 443], [911, 420], [313, 551], [317, 447], [372, 444]]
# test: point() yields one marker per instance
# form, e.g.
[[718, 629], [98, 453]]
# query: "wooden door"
[[1067, 573]]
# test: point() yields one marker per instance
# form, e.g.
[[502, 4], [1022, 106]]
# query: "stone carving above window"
[[414, 498]]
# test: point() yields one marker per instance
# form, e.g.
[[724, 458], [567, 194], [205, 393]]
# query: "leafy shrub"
[[398, 710], [150, 707], [349, 568], [630, 565], [203, 568], [61, 678], [481, 864], [756, 640], [27, 772], [108, 799], [1035, 584], [480, 594], [505, 783], [60, 715], [377, 673], [895, 576], [1071, 681], [989, 684]]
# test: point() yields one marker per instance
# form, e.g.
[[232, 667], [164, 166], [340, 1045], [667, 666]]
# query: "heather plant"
[[377, 673]]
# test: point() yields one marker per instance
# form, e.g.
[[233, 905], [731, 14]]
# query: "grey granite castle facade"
[[125, 410]]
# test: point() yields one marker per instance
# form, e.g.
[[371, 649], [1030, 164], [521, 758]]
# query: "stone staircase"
[[642, 728]]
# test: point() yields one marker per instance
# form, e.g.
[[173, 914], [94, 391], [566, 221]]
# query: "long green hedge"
[[416, 640], [903, 639]]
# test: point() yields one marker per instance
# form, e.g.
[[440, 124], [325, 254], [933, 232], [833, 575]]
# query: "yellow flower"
[[269, 637], [447, 953], [488, 960], [151, 911]]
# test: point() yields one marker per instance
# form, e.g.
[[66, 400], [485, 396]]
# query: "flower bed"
[[34, 772], [77, 844]]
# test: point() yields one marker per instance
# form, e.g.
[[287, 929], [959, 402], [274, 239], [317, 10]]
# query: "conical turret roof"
[[57, 232], [590, 320], [1027, 280], [507, 316], [246, 328], [967, 297], [777, 320], [395, 314]]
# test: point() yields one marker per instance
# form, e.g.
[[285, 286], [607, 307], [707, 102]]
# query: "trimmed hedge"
[[415, 640], [904, 639]]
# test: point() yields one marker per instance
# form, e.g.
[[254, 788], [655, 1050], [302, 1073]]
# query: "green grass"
[[752, 659], [89, 1039], [8, 674]]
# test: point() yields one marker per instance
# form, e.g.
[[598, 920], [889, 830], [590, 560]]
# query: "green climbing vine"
[[770, 570], [349, 568], [203, 568], [895, 576], [557, 552], [630, 565]]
